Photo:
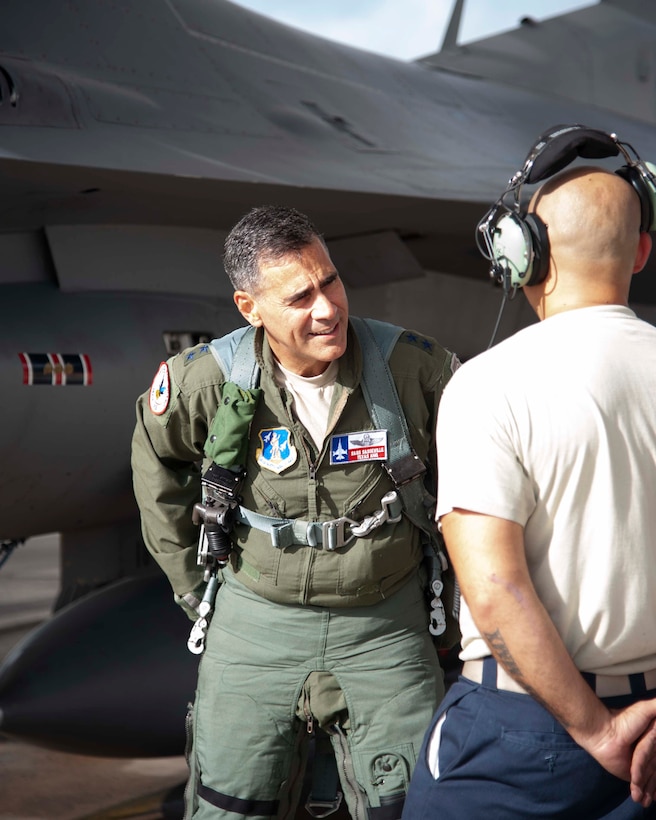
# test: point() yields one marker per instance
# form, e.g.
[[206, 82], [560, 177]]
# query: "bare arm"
[[489, 560]]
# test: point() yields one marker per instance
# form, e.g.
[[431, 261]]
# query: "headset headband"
[[556, 149]]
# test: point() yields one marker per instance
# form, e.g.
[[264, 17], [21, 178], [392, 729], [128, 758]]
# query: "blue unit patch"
[[277, 452]]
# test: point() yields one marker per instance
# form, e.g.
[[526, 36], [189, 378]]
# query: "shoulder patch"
[[417, 340], [195, 353], [160, 390]]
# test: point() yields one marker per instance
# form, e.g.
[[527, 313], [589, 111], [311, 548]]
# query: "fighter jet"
[[132, 136]]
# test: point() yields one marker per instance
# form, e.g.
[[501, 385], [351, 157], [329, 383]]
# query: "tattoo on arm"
[[502, 654]]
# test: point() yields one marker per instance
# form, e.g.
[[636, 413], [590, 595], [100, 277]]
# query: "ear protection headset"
[[517, 242]]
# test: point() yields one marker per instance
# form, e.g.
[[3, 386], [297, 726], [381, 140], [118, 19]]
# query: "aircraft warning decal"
[[60, 369]]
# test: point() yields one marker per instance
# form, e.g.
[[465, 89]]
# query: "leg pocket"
[[385, 773]]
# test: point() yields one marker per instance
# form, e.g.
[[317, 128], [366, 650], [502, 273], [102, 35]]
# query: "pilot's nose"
[[323, 308]]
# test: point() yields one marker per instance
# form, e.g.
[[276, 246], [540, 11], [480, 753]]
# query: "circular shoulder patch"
[[160, 390]]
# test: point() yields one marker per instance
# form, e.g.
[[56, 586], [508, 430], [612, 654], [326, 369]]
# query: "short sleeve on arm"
[[478, 447]]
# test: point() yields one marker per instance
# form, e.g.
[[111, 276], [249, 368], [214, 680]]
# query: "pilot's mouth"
[[328, 332]]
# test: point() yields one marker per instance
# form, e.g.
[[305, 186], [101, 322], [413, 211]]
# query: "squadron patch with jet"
[[160, 390], [60, 369], [277, 452], [369, 445]]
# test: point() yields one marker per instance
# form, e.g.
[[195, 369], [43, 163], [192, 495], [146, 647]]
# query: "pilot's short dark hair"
[[265, 233]]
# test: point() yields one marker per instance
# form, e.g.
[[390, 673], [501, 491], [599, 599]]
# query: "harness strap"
[[235, 355], [404, 467], [328, 535], [379, 389], [325, 797]]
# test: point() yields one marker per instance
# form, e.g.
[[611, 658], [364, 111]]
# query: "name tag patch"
[[368, 445]]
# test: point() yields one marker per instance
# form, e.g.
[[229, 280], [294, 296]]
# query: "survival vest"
[[235, 354]]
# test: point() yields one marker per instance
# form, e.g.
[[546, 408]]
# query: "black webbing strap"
[[390, 811], [325, 797], [237, 804], [404, 466]]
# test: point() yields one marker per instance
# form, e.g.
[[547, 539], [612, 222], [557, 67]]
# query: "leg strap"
[[324, 798], [268, 808]]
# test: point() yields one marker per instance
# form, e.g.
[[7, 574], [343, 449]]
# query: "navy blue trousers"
[[502, 756]]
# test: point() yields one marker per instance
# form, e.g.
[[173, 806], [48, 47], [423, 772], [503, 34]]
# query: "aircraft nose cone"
[[110, 675]]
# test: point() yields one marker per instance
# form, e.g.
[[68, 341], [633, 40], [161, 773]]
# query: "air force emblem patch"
[[277, 452], [369, 445]]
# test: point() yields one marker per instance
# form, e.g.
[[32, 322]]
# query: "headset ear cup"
[[645, 187], [512, 250], [541, 249], [649, 181]]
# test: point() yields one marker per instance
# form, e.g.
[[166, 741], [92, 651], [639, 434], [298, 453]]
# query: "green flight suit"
[[359, 607]]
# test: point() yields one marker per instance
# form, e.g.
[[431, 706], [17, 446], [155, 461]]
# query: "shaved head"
[[593, 216], [593, 224]]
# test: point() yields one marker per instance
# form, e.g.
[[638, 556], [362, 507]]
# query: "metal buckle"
[[323, 808], [382, 516], [332, 533], [437, 614]]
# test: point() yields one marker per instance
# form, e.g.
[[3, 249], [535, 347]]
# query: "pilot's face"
[[301, 303]]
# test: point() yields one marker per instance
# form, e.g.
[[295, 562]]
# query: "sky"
[[405, 29]]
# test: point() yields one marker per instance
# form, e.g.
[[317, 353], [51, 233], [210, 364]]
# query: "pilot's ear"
[[247, 306], [643, 252]]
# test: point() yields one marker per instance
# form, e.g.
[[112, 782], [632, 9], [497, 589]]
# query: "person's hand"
[[191, 601], [643, 768], [627, 748]]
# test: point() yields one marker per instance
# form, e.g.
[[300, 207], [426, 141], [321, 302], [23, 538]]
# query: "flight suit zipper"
[[312, 516], [347, 774], [312, 466]]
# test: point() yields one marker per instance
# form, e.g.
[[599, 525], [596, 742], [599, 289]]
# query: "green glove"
[[227, 442]]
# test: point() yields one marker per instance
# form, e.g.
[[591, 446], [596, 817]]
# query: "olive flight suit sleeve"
[[421, 369], [167, 451]]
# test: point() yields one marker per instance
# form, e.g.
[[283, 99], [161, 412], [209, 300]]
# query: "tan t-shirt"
[[312, 397]]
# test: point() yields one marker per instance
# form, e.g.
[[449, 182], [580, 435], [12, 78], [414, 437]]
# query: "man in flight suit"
[[302, 634]]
